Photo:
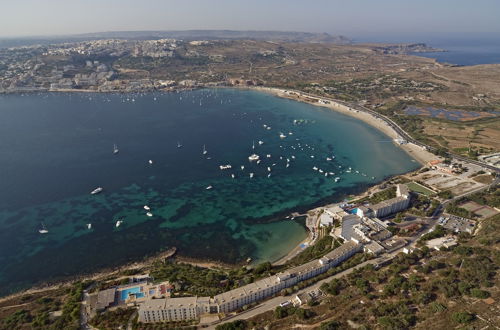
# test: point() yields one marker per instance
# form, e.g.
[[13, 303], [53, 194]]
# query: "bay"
[[56, 148]]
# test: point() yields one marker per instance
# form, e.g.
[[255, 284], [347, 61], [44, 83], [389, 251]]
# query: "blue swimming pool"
[[126, 292]]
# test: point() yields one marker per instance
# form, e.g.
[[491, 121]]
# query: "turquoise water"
[[56, 148], [126, 292]]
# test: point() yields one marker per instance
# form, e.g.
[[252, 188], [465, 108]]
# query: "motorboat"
[[96, 191], [253, 157]]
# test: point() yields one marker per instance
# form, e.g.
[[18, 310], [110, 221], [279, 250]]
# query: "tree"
[[235, 325], [330, 325], [462, 317], [280, 312]]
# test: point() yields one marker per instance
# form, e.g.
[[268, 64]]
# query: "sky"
[[362, 19]]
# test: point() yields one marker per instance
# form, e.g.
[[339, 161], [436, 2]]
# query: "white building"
[[189, 308]]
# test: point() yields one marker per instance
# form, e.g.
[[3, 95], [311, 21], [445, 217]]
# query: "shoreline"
[[420, 155], [414, 151]]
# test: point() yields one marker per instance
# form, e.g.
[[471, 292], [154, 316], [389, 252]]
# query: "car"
[[285, 303]]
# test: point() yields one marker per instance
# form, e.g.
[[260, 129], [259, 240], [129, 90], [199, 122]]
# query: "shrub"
[[462, 317]]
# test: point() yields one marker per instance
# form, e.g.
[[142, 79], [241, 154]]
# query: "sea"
[[55, 148], [461, 49]]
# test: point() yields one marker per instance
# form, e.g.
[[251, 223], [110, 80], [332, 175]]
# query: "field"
[[483, 211], [418, 188]]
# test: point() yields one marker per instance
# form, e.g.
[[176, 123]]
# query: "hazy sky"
[[353, 18]]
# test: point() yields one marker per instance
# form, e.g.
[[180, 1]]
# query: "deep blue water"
[[462, 48], [56, 148], [467, 50], [469, 54]]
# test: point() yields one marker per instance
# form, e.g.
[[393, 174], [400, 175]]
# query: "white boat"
[[115, 149], [312, 156], [43, 230], [251, 175], [261, 142], [118, 223], [282, 136], [268, 128], [253, 145], [225, 167], [320, 171], [293, 157], [150, 162], [315, 168], [337, 179], [89, 226], [269, 175], [242, 167], [149, 214], [147, 208], [204, 150], [268, 169], [233, 176], [268, 155], [209, 187], [258, 162], [96, 190], [253, 157], [287, 165], [179, 145], [328, 159], [290, 133]]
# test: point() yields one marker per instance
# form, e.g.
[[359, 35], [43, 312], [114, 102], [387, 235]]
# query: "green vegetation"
[[453, 208], [300, 313], [193, 280], [462, 317], [380, 196], [322, 246], [445, 194], [35, 314], [113, 319], [235, 325], [438, 231], [416, 187]]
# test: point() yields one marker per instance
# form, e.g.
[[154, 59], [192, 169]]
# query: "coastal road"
[[398, 129], [272, 303]]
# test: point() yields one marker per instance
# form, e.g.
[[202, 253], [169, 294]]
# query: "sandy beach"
[[416, 152]]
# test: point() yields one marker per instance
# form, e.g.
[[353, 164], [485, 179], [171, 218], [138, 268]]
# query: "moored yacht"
[[115, 149], [96, 190], [43, 230], [253, 157]]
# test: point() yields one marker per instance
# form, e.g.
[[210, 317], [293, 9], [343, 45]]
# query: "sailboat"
[[253, 145], [204, 150], [43, 230], [115, 149], [179, 145]]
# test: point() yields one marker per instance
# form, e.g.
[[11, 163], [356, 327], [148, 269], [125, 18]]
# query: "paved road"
[[399, 130], [272, 303]]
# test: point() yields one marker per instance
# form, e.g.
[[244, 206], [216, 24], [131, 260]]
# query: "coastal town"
[[424, 226], [386, 221]]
